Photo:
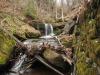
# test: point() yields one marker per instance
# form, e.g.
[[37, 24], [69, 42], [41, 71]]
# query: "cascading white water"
[[18, 64], [52, 33], [48, 31]]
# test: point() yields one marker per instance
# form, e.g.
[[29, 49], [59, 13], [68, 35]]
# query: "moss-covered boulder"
[[17, 26], [6, 47], [54, 58]]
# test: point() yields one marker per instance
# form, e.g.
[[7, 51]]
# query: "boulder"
[[54, 58], [6, 47], [18, 27]]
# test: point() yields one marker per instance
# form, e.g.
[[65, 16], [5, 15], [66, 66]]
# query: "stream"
[[39, 67]]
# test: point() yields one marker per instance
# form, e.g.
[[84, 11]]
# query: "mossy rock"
[[53, 57], [6, 47], [18, 27]]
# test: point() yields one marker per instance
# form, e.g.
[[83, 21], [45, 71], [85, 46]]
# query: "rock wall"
[[87, 43]]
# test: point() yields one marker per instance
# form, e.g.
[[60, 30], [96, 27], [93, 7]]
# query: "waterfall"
[[48, 31], [52, 33]]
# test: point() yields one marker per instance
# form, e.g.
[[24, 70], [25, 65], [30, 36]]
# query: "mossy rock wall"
[[87, 48]]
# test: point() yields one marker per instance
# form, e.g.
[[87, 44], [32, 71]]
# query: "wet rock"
[[53, 58]]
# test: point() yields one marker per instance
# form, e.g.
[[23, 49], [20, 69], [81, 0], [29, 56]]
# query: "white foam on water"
[[18, 64]]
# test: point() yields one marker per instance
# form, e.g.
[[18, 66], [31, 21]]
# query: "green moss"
[[6, 47], [17, 27]]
